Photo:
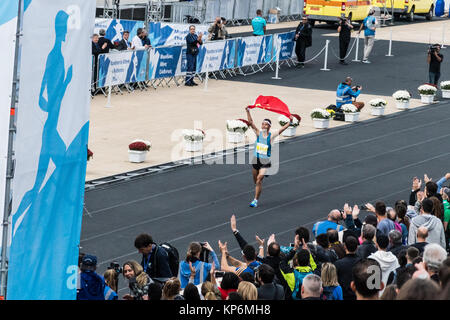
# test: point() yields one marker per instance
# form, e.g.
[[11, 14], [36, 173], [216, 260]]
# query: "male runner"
[[263, 147]]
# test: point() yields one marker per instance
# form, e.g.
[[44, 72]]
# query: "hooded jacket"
[[434, 226], [388, 263]]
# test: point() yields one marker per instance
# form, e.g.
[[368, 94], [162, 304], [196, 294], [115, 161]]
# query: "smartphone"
[[219, 274]]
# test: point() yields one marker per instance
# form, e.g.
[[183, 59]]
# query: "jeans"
[[191, 68], [434, 77]]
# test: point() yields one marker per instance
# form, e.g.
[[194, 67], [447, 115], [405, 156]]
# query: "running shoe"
[[254, 203], [365, 61]]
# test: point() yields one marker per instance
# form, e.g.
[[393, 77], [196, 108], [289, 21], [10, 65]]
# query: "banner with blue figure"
[[121, 67], [51, 149], [254, 50], [216, 55], [229, 55], [163, 62], [265, 52], [115, 27], [287, 45], [172, 34]]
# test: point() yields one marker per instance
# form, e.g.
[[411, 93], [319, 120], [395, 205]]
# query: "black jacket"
[[158, 266], [96, 49], [397, 249], [123, 45], [366, 249], [102, 41], [305, 33], [344, 268], [271, 291]]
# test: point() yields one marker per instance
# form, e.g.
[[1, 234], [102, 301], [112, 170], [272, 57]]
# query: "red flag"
[[273, 104]]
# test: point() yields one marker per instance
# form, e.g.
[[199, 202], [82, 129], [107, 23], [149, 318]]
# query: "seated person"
[[345, 93]]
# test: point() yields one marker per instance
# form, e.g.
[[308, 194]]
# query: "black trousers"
[[343, 47], [300, 50]]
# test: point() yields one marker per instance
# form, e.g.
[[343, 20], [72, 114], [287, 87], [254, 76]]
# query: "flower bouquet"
[[290, 131], [351, 112], [378, 106], [193, 139], [445, 88], [236, 130], [402, 98], [137, 150], [321, 118], [427, 93]]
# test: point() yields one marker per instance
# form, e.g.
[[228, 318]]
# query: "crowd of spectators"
[[394, 253]]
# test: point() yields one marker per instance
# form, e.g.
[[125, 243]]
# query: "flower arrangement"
[[401, 96], [283, 120], [193, 135], [445, 85], [349, 108], [90, 154], [237, 126], [320, 114], [140, 145], [426, 89], [378, 103]]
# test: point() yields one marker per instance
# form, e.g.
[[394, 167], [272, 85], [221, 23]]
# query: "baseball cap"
[[89, 260]]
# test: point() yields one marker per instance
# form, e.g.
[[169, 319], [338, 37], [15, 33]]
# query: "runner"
[[263, 147]]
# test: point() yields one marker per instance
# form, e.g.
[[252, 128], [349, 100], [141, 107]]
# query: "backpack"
[[92, 287], [335, 113], [174, 257], [398, 227]]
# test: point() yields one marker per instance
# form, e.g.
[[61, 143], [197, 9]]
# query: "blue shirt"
[[258, 25], [385, 226], [250, 268], [322, 227], [369, 22]]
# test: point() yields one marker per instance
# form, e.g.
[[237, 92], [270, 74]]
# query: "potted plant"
[[427, 93], [351, 112], [290, 131], [90, 154], [137, 150], [236, 130], [320, 118], [378, 106], [402, 98], [193, 139], [445, 88]]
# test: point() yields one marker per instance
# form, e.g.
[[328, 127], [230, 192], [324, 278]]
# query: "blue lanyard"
[[146, 262]]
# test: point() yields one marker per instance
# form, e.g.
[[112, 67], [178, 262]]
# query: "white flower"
[[349, 108], [402, 95], [193, 135], [320, 114], [427, 89], [282, 120], [236, 126], [378, 103], [445, 85]]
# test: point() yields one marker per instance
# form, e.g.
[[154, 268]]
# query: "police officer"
[[193, 43], [344, 29]]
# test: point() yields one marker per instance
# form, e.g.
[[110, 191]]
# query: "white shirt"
[[137, 43]]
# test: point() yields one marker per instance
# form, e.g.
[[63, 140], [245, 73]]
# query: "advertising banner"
[[216, 55], [51, 149], [172, 34], [287, 45], [254, 50], [115, 27], [163, 62]]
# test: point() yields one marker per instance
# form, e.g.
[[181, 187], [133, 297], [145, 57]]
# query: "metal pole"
[[278, 59], [390, 46], [326, 57], [357, 49], [392, 13], [10, 162], [205, 87], [443, 36]]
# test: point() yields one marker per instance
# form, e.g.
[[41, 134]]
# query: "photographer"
[[345, 93], [434, 59], [196, 268], [217, 30], [345, 28]]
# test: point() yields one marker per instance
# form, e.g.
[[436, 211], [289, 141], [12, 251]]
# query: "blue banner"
[[287, 45], [254, 50], [163, 62], [172, 34], [115, 27]]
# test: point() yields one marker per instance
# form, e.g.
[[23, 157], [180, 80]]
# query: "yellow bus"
[[331, 10], [407, 8]]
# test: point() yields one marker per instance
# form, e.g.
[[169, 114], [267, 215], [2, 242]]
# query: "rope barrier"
[[310, 60], [348, 52]]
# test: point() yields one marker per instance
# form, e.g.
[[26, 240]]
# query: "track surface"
[[367, 161]]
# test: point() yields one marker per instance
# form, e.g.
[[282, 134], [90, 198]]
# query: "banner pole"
[[278, 60], [443, 36], [205, 87], [108, 103], [326, 57], [10, 165], [357, 49], [390, 46]]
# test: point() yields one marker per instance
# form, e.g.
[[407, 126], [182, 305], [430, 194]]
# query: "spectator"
[[401, 208], [403, 276], [384, 225], [433, 257], [224, 29], [322, 252], [303, 40], [368, 246], [154, 292], [311, 287], [216, 30], [445, 293], [344, 267], [392, 215], [345, 28], [259, 24], [249, 264], [431, 189], [138, 281], [365, 283], [91, 285], [335, 244], [434, 59], [209, 291], [345, 93], [432, 223], [369, 26], [390, 293], [445, 196], [411, 254], [124, 44], [387, 260], [247, 291], [190, 293], [395, 243], [136, 43], [145, 40], [247, 276], [155, 260], [230, 283], [193, 266], [111, 280], [419, 289], [331, 223], [444, 273], [234, 296], [331, 288], [268, 290], [193, 43], [96, 50], [171, 290], [104, 43], [422, 235], [438, 208]]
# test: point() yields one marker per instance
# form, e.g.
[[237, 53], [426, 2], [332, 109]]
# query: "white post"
[[108, 104], [443, 36], [390, 46], [326, 57], [357, 49], [278, 60], [205, 87]]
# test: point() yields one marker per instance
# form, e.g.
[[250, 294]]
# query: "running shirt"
[[258, 25], [263, 147]]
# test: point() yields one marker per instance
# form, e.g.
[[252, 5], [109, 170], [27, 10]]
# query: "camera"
[[204, 254], [116, 267], [356, 88], [432, 48]]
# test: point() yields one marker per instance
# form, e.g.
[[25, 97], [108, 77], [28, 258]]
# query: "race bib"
[[262, 148]]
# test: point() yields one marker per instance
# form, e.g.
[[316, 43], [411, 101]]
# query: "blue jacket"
[[344, 94], [323, 226], [110, 294], [201, 269], [91, 286]]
